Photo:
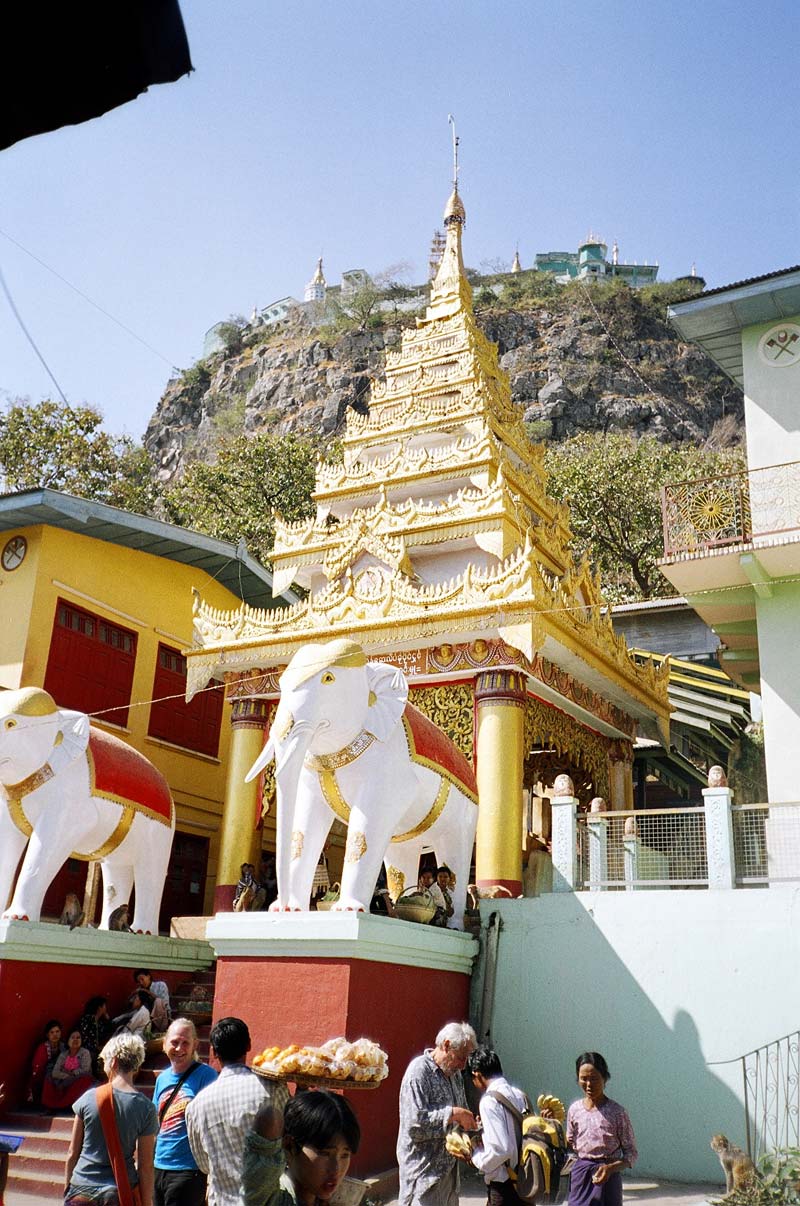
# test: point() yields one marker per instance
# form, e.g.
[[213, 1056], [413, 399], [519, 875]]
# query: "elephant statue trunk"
[[289, 752]]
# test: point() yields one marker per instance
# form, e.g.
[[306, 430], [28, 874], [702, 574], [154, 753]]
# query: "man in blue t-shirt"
[[178, 1180]]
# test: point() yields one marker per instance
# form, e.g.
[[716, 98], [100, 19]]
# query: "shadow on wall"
[[658, 995]]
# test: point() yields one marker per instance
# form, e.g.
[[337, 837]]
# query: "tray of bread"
[[336, 1064]]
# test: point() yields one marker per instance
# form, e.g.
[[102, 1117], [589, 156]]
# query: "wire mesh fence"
[[648, 848], [766, 843]]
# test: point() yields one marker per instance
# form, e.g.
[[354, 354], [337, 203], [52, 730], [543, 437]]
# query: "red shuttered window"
[[90, 664], [194, 726]]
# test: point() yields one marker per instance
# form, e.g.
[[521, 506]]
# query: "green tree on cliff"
[[234, 497], [60, 447], [612, 485]]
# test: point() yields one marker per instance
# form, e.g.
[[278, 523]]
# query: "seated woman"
[[44, 1059], [299, 1158], [95, 1027], [71, 1075], [138, 1022]]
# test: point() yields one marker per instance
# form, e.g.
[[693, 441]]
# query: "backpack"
[[542, 1153]]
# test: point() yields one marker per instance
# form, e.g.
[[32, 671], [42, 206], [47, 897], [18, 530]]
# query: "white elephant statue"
[[347, 744], [72, 790]]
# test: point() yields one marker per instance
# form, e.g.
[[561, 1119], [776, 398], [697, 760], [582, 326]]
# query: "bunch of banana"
[[551, 1107], [458, 1144]]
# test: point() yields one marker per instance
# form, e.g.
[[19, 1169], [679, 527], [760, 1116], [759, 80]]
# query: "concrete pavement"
[[637, 1191]]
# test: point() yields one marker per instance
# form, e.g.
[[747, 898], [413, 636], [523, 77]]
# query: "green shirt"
[[265, 1181]]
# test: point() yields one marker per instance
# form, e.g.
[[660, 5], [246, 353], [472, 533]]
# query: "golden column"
[[500, 697], [240, 841]]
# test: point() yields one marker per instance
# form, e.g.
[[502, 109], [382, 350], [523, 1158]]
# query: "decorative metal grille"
[[771, 1076], [732, 509], [705, 514], [648, 848], [766, 843]]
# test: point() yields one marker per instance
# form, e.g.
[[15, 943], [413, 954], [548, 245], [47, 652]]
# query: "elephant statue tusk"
[[263, 759]]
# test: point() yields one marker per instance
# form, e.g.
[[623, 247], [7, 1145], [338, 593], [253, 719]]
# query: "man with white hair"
[[432, 1099]]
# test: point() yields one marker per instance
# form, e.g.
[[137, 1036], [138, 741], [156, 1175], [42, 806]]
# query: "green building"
[[589, 262]]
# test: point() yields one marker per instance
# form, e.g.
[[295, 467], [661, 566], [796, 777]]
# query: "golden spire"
[[318, 278], [450, 291], [516, 266]]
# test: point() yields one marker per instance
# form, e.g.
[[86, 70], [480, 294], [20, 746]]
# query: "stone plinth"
[[50, 971], [307, 977]]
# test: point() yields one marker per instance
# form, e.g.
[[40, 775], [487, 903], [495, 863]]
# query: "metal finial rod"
[[452, 122]]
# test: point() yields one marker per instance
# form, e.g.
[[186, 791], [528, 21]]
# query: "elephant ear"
[[73, 731], [387, 699]]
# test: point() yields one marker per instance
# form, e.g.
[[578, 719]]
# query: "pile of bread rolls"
[[361, 1061]]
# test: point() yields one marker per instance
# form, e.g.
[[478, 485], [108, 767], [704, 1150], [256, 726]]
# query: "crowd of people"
[[433, 1099], [65, 1063], [231, 1138]]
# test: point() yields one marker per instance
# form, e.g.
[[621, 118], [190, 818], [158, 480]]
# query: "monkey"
[[119, 919], [249, 895], [72, 913], [738, 1167]]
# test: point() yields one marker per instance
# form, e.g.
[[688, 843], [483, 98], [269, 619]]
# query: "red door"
[[185, 886]]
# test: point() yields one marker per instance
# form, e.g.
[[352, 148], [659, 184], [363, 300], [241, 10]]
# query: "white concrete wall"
[[664, 984], [771, 413], [779, 664]]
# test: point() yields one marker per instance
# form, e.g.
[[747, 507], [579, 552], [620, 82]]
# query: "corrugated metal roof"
[[750, 280], [618, 609], [229, 564], [715, 319]]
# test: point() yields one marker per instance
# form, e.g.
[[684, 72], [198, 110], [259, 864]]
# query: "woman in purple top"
[[600, 1134]]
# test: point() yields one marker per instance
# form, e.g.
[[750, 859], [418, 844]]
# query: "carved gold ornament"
[[356, 847], [395, 881], [343, 757], [571, 740], [298, 838], [450, 707]]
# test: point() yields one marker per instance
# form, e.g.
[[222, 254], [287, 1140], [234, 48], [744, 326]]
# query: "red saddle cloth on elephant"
[[428, 745], [120, 773]]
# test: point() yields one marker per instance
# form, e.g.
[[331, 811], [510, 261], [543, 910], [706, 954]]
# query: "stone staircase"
[[36, 1172]]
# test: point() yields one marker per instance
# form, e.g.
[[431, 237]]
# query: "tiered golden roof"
[[436, 522]]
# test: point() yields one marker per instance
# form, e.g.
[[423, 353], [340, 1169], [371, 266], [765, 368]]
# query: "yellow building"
[[96, 606], [436, 546]]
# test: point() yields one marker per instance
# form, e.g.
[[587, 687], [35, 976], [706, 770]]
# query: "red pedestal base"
[[309, 1000]]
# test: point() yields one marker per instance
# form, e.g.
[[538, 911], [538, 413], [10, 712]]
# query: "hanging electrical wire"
[[581, 608], [29, 337], [107, 314]]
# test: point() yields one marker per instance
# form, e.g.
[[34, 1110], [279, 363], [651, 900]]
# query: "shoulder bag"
[[128, 1195]]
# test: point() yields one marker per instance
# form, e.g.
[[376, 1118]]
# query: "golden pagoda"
[[436, 546]]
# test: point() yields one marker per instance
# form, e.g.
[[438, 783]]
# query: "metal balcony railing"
[[712, 512]]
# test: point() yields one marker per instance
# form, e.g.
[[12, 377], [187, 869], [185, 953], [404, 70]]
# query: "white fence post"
[[598, 846], [631, 842], [564, 819], [717, 799]]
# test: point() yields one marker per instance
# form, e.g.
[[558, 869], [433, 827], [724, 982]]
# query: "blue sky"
[[321, 128]]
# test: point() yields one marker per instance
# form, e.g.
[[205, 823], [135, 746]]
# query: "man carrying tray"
[[218, 1119]]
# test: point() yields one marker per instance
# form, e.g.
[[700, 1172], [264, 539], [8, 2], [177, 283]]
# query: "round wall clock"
[[14, 552], [780, 345]]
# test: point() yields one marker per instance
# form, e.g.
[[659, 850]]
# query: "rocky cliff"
[[579, 360]]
